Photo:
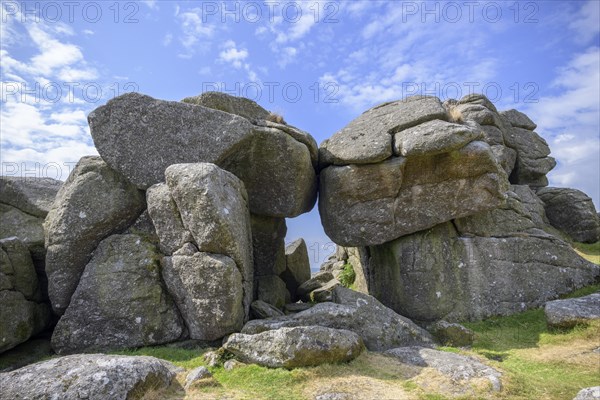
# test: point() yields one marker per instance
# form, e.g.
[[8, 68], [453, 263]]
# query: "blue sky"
[[319, 63]]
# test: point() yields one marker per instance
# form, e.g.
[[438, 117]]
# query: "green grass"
[[188, 359], [589, 251], [347, 276]]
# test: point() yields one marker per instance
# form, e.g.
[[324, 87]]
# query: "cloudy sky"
[[319, 63]]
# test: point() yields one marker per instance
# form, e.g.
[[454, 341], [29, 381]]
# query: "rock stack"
[[176, 231]]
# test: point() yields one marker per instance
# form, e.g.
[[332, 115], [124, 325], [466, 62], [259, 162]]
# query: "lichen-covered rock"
[[295, 347], [319, 280], [29, 229], [213, 205], [31, 195], [208, 291], [572, 212], [230, 104], [166, 219], [451, 334], [140, 137], [268, 245], [119, 302], [261, 310], [368, 138], [22, 312], [533, 161], [378, 326], [297, 269], [93, 203], [372, 204], [591, 393], [517, 119], [462, 370], [88, 376], [271, 289], [570, 312]]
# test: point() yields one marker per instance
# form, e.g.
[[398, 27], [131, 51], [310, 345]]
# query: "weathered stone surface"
[[373, 204], [461, 369], [533, 162], [518, 119], [297, 269], [478, 98], [208, 291], [141, 136], [439, 274], [213, 206], [29, 229], [89, 376], [378, 326], [119, 302], [292, 308], [434, 137], [31, 195], [368, 138], [262, 310], [479, 113], [506, 157], [295, 347], [591, 393], [93, 203], [196, 375], [572, 212], [451, 334], [323, 293], [317, 281], [166, 219], [268, 245], [570, 312], [301, 136], [271, 289], [492, 135], [231, 104]]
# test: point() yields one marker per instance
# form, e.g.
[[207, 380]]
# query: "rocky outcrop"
[[91, 376], [33, 196], [302, 346], [140, 137], [405, 176], [494, 263], [22, 311], [572, 212], [463, 371], [378, 326], [297, 270], [230, 104], [94, 203], [120, 301], [570, 312]]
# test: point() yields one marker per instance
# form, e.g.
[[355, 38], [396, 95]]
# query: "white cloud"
[[232, 55], [167, 39], [194, 32], [286, 56], [586, 21], [88, 32]]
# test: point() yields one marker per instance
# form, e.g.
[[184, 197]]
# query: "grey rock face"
[[441, 274], [93, 203], [368, 138], [208, 291], [119, 302], [373, 204], [378, 326], [262, 310], [90, 376], [26, 227], [295, 347], [459, 368], [141, 136], [297, 269], [451, 334], [533, 161], [230, 104], [433, 137], [22, 312], [570, 312], [319, 280], [166, 219], [268, 245], [572, 212], [195, 375], [213, 206], [591, 393], [31, 195], [518, 119], [271, 289]]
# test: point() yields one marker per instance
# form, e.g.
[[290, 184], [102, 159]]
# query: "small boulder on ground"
[[195, 375], [295, 347], [451, 334], [261, 310], [90, 376], [591, 393], [297, 269], [570, 312]]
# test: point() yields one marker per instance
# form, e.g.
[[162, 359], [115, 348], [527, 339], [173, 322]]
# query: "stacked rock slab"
[[202, 219], [22, 311], [94, 202], [572, 212], [24, 203], [498, 260], [120, 301], [401, 167]]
